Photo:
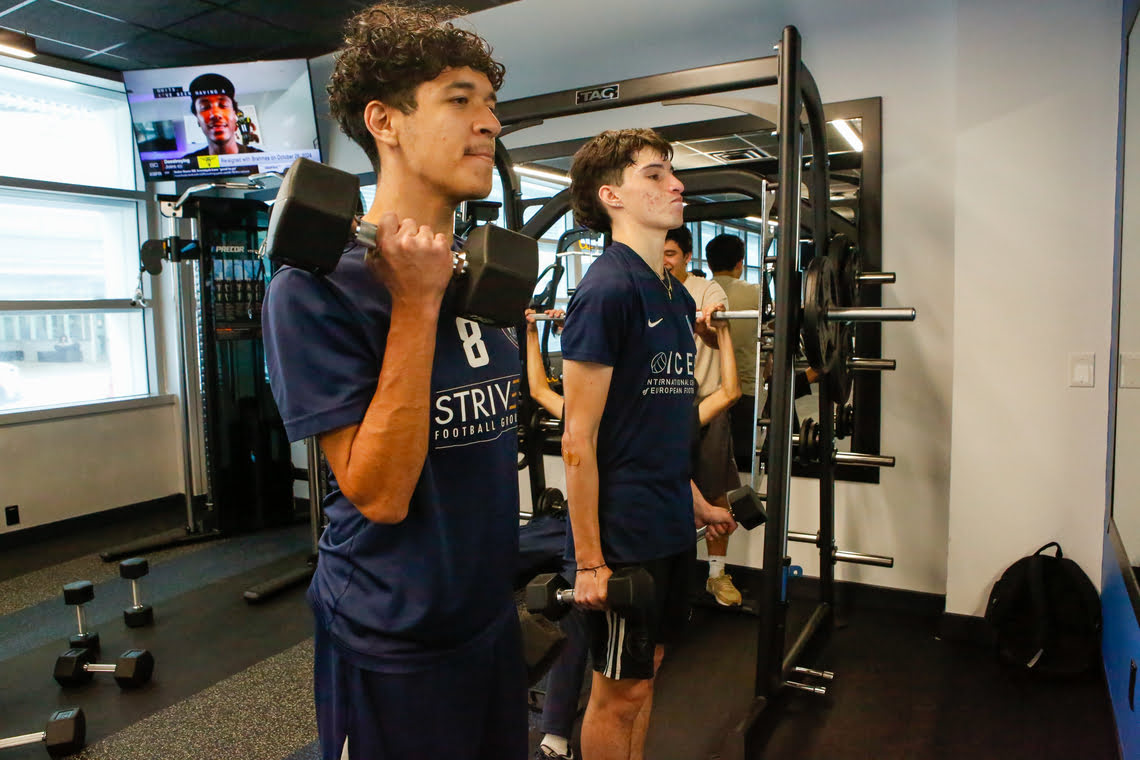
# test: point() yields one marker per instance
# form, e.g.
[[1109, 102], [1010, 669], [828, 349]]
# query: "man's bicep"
[[586, 384]]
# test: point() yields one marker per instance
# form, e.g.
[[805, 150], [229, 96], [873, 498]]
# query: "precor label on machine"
[[609, 92]]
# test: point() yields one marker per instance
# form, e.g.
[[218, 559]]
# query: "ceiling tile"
[[157, 49], [148, 13], [61, 50], [302, 17], [64, 23], [111, 61], [221, 28], [198, 31]]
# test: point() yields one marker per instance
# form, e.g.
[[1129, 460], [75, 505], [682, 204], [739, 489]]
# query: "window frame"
[[142, 200]]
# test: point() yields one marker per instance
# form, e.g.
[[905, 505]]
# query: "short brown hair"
[[389, 50], [601, 161]]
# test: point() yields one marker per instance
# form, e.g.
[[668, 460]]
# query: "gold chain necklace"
[[668, 285]]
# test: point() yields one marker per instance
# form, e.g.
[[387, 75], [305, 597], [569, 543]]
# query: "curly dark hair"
[[389, 50], [601, 162]]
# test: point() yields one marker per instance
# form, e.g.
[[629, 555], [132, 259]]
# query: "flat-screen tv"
[[224, 120]]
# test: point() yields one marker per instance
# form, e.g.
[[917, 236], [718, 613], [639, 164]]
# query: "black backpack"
[[1045, 615]]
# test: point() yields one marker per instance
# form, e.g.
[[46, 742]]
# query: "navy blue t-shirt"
[[623, 316], [402, 597]]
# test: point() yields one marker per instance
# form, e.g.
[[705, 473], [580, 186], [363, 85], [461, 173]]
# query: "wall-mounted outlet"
[[12, 514]]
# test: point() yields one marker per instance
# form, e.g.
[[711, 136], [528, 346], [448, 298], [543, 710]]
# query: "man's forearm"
[[388, 451], [582, 498], [536, 378]]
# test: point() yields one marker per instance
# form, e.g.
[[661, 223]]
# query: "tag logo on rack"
[[609, 92]]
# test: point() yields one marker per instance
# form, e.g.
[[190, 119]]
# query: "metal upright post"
[[773, 610], [826, 497], [187, 445]]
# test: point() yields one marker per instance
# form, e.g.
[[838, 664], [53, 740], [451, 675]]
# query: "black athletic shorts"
[[714, 471], [622, 647]]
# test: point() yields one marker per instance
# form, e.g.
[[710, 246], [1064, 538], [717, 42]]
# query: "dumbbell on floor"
[[138, 614], [78, 594], [629, 589], [65, 734], [313, 216], [133, 668]]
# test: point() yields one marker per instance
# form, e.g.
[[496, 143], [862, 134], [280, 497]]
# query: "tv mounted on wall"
[[222, 120]]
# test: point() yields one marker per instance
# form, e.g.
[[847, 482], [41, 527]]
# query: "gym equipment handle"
[[20, 741], [855, 558], [870, 314], [367, 235]]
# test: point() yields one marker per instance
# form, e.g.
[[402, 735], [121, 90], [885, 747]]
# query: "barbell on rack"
[[857, 558], [809, 448]]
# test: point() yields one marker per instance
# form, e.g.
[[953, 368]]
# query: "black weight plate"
[[550, 500], [804, 452], [839, 378], [820, 337], [849, 264], [844, 421]]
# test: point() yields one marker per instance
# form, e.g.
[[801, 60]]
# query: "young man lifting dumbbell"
[[628, 356], [413, 405], [564, 683]]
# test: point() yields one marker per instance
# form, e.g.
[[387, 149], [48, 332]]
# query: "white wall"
[[80, 465], [998, 171], [55, 469], [1034, 200], [1126, 497]]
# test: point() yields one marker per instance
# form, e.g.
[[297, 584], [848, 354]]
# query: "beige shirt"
[[707, 370], [742, 295]]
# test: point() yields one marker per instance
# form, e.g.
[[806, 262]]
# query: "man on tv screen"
[[212, 101]]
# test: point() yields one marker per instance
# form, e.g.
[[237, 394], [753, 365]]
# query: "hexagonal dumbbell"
[[78, 594], [133, 668], [746, 507], [630, 589], [65, 734], [138, 614]]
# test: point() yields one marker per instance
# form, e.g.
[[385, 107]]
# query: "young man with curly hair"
[[417, 651], [628, 376]]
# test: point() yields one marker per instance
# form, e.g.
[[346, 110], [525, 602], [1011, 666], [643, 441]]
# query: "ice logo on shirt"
[[672, 373], [476, 413]]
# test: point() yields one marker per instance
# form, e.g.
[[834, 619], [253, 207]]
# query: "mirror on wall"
[[723, 163], [1126, 476]]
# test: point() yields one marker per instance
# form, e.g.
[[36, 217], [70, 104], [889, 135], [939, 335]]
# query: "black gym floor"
[[233, 681]]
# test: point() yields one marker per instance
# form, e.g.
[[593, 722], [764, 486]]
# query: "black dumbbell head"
[[66, 732], [79, 592], [88, 641], [312, 217], [137, 617], [746, 507], [133, 568], [69, 670], [630, 590], [134, 668], [541, 596], [502, 270]]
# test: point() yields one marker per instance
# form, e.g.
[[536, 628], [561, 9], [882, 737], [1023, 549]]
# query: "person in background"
[[212, 103], [715, 471]]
